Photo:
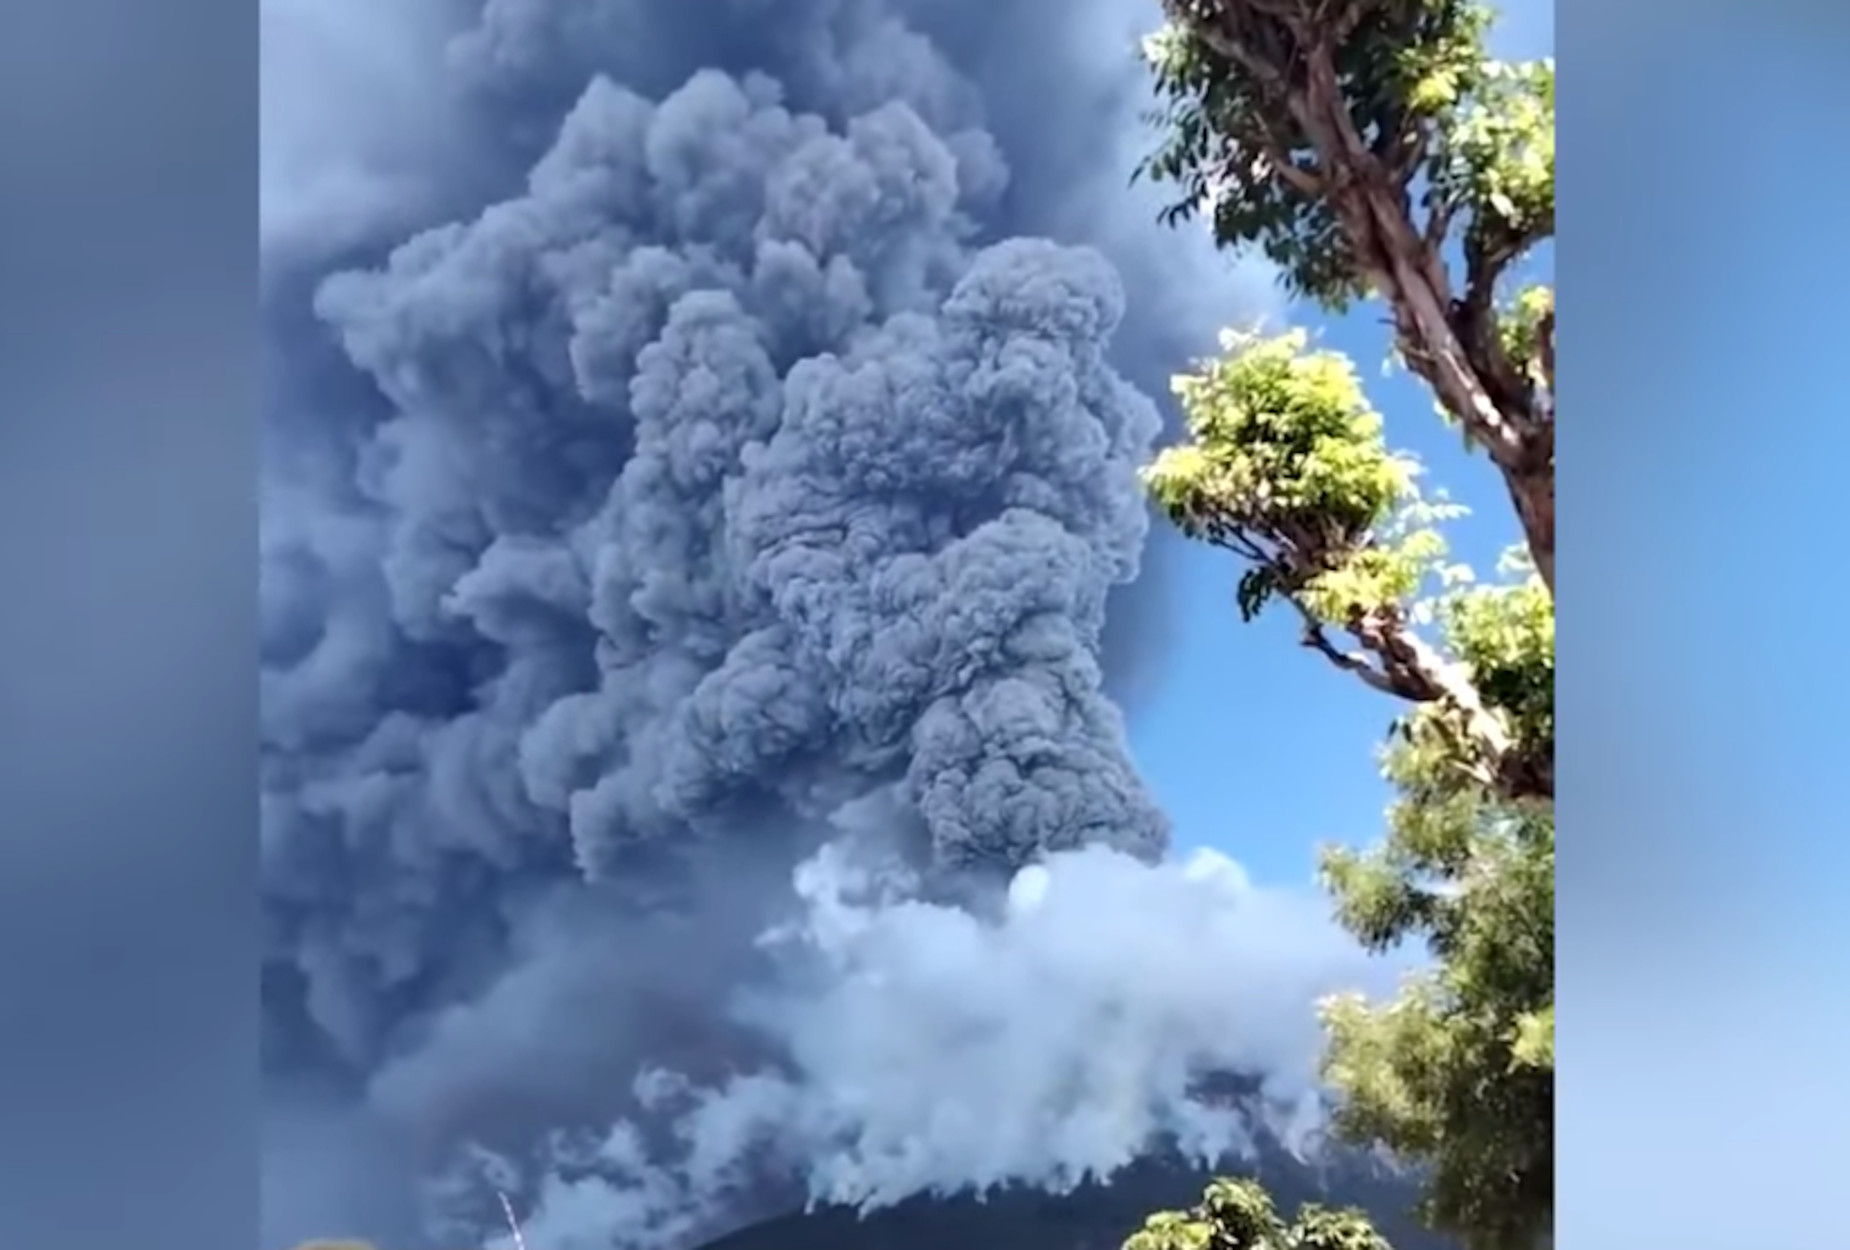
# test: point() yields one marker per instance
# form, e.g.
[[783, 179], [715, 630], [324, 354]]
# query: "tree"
[[1373, 150], [1239, 1215], [1356, 143]]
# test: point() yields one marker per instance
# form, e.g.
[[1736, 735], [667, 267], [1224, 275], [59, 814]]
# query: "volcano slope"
[[1094, 1217]]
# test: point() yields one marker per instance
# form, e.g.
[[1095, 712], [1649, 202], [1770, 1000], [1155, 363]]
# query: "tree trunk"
[[1532, 491], [1411, 275]]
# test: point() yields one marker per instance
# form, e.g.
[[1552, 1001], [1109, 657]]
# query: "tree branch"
[[1241, 544], [1438, 222], [1307, 182], [1396, 661], [1349, 661], [1545, 355], [1225, 44], [1392, 254], [1487, 258]]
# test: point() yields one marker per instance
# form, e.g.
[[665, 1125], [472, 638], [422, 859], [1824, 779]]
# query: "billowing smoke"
[[937, 1052], [690, 529]]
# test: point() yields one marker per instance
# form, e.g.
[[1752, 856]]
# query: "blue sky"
[[1254, 745]]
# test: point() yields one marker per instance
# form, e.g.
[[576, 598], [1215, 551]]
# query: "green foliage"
[[1495, 155], [1364, 146], [1458, 1072], [1519, 330], [1285, 465], [1535, 1038], [1506, 635], [1396, 561], [1279, 436], [1215, 129], [1406, 70], [1239, 1215], [1255, 142]]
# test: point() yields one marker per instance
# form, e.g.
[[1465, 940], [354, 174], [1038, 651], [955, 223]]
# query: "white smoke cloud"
[[930, 1051]]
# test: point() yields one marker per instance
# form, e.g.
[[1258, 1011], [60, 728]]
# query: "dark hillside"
[[1093, 1218]]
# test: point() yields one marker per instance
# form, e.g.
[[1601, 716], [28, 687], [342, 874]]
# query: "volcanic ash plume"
[[724, 481], [688, 786]]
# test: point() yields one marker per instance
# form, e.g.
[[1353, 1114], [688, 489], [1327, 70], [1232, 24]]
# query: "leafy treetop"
[[1365, 146]]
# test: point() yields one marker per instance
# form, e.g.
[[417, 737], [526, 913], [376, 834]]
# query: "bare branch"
[[1242, 545], [1486, 261], [1349, 661], [1261, 140], [1438, 223], [1396, 661]]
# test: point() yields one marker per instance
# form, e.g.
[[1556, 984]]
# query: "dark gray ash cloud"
[[675, 457]]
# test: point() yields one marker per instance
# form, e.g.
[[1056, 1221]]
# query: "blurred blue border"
[[1703, 1003], [128, 384]]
